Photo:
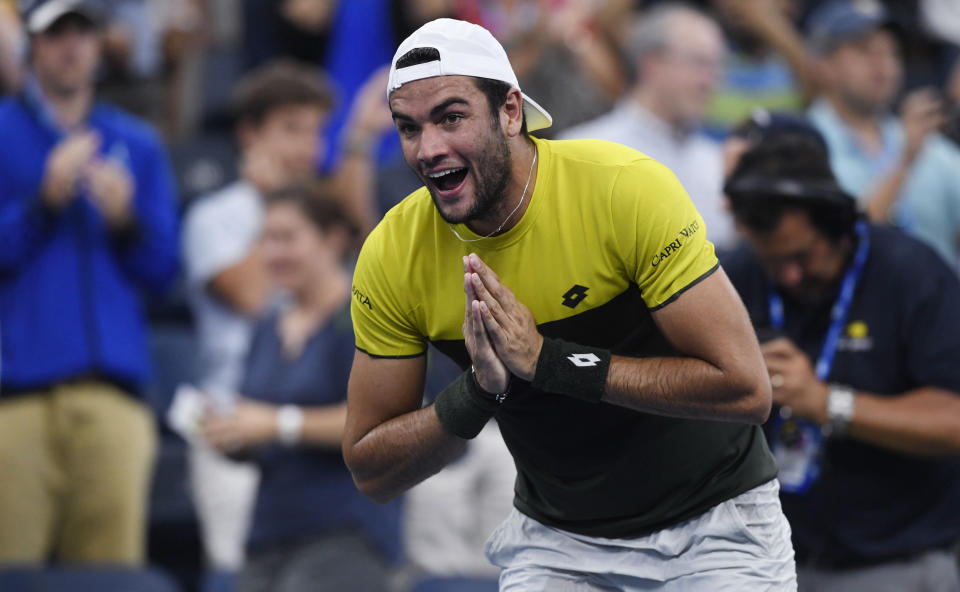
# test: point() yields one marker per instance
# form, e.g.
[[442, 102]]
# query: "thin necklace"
[[514, 211]]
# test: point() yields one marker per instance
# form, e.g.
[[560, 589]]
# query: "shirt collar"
[[846, 139], [648, 122], [38, 104]]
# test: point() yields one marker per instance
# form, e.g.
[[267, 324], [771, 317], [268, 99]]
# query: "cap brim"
[[537, 117], [43, 17], [826, 43]]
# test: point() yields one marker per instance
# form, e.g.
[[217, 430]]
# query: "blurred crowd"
[[185, 183]]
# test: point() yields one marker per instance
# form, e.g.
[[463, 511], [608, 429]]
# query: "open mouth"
[[448, 179]]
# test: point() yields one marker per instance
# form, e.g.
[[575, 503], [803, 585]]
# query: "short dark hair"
[[787, 172], [318, 202], [417, 56], [495, 90], [496, 93], [277, 84]]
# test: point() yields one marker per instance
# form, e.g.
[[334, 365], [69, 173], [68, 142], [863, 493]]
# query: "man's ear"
[[511, 113]]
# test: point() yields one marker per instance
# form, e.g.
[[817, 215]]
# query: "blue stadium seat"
[[174, 535], [456, 585], [203, 164], [85, 580]]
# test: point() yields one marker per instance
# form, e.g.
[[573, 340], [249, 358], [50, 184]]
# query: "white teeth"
[[439, 174]]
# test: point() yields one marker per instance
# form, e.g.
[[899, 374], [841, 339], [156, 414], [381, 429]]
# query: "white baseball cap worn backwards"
[[465, 50]]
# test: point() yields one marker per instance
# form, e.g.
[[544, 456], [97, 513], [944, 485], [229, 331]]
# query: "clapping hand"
[[110, 187], [66, 166]]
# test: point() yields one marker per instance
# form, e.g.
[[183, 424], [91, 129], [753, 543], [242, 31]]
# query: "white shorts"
[[742, 545]]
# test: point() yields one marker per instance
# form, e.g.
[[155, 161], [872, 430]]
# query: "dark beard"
[[492, 174]]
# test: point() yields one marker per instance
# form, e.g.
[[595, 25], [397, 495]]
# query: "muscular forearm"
[[600, 63], [356, 182], [781, 35], [244, 286], [884, 195], [686, 387], [924, 422], [400, 453]]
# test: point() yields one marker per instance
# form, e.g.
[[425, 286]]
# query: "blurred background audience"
[[678, 54], [900, 168], [866, 387], [311, 528], [279, 109], [257, 101], [88, 221]]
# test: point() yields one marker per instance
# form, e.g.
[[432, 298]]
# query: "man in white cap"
[[597, 327], [87, 224]]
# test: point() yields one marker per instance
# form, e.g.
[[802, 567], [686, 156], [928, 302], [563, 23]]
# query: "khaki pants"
[[75, 467]]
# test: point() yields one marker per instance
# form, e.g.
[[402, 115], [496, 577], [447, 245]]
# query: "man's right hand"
[[65, 166], [492, 375], [923, 112]]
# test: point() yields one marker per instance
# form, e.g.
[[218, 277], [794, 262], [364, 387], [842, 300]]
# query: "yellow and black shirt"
[[609, 236]]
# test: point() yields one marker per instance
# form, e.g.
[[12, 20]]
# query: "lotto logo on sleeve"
[[583, 360]]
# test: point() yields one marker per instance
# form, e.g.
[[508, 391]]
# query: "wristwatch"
[[840, 407], [289, 424]]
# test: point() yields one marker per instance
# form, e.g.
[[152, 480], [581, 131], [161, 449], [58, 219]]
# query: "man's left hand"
[[510, 324], [111, 187], [250, 424], [793, 380]]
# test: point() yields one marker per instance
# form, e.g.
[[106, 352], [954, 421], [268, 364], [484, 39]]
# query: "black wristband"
[[463, 408], [570, 369]]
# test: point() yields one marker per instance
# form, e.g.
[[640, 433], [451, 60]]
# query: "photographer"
[[862, 339]]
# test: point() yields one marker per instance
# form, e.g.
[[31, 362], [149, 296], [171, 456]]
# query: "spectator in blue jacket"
[[87, 221]]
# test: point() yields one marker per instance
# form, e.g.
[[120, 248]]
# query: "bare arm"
[[922, 114], [323, 426], [356, 176], [10, 36], [356, 181], [923, 421], [884, 194], [721, 375], [767, 20], [253, 423], [243, 286], [390, 444]]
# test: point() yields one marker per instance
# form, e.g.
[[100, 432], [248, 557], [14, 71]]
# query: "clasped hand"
[[500, 332], [250, 424], [794, 382], [109, 185]]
